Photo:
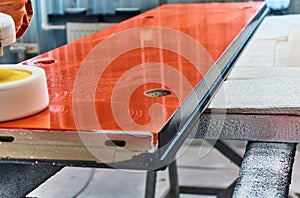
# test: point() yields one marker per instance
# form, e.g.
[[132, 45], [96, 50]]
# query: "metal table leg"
[[227, 151], [173, 176], [266, 170], [17, 180], [176, 189], [150, 184]]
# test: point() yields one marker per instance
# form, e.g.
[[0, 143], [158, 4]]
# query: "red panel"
[[105, 76]]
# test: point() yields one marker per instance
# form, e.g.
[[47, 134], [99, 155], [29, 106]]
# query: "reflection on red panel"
[[103, 81]]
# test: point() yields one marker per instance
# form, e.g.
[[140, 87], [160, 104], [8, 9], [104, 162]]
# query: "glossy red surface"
[[100, 81]]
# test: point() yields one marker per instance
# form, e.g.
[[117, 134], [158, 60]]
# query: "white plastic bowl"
[[25, 97]]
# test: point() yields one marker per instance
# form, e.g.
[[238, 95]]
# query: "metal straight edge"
[[190, 111]]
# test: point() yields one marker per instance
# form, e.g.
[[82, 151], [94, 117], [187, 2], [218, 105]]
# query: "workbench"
[[244, 108], [261, 101]]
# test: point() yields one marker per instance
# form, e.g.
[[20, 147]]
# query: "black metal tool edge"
[[169, 147]]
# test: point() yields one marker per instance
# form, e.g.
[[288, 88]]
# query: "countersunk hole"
[[45, 62], [115, 143], [158, 93], [6, 139], [149, 17], [246, 7]]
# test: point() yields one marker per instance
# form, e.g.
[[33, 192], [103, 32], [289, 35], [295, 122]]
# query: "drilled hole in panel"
[[149, 17], [6, 139], [45, 62], [115, 143], [158, 93]]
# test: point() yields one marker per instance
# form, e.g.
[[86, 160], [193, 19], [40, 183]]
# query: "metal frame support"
[[150, 184], [176, 189], [227, 151], [174, 183], [266, 170]]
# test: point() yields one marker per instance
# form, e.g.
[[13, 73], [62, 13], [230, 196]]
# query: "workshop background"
[[48, 27]]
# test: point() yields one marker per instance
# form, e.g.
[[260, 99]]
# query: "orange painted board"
[[101, 82]]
